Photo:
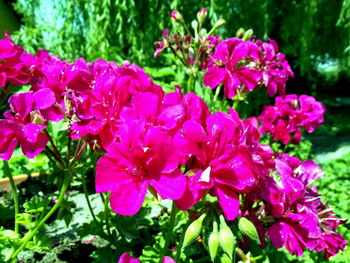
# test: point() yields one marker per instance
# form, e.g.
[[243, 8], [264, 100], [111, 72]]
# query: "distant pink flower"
[[231, 66], [285, 119], [275, 68], [144, 158]]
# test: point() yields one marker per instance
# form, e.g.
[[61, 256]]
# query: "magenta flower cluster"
[[242, 66], [293, 210], [284, 120], [172, 145]]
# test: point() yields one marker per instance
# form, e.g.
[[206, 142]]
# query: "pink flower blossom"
[[99, 110], [275, 68], [220, 160], [285, 119], [231, 66], [16, 66], [302, 221], [144, 158], [24, 123]]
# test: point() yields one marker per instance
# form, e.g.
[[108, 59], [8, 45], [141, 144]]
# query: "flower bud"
[[240, 33], [247, 228], [213, 241], [194, 25], [202, 15], [193, 231], [177, 16], [219, 23], [247, 34], [226, 238]]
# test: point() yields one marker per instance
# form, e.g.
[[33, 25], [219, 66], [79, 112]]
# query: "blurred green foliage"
[[315, 34]]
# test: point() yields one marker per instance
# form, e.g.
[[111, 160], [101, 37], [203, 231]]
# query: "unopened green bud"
[[213, 241], [219, 23], [226, 238], [247, 228], [240, 33], [194, 25], [247, 34], [193, 231]]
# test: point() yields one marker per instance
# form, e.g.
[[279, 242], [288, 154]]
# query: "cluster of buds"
[[193, 47]]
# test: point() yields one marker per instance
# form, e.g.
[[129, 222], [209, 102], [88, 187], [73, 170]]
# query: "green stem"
[[189, 83], [217, 92], [235, 102], [55, 150], [31, 234], [169, 234], [87, 199], [106, 214], [14, 192]]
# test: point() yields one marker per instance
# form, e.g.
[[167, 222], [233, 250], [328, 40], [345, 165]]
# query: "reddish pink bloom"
[[231, 66], [16, 66], [220, 159], [145, 157], [275, 68], [98, 112], [285, 119], [302, 219], [24, 123]]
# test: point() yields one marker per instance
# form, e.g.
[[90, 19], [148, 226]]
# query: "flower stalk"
[[169, 234]]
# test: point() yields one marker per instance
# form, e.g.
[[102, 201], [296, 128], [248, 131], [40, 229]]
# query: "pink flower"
[[285, 119], [24, 123], [98, 113], [16, 66], [144, 158], [220, 160], [275, 68], [301, 218], [126, 258], [231, 66]]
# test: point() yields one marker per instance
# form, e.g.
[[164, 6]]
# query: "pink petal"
[[31, 131], [126, 258], [110, 171], [228, 201], [21, 103], [167, 259], [127, 197], [170, 186], [43, 99], [214, 76], [33, 149]]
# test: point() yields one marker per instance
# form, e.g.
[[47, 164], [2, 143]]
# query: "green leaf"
[[35, 205], [103, 255]]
